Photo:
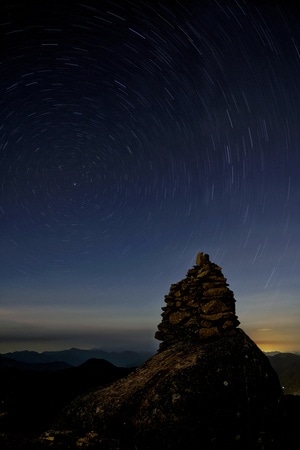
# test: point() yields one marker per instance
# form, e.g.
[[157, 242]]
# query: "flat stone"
[[217, 292], [203, 274], [214, 306], [177, 317], [227, 324], [208, 332], [215, 317]]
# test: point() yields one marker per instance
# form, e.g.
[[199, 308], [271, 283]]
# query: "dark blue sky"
[[134, 134]]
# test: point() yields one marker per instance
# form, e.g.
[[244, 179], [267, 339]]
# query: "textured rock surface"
[[209, 386], [220, 394], [199, 307]]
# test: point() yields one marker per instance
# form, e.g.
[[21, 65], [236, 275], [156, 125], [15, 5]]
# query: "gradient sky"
[[134, 134]]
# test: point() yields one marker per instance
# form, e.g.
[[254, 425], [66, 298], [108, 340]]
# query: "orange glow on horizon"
[[269, 341], [275, 342], [274, 346]]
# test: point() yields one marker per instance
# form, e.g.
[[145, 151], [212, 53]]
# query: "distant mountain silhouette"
[[76, 356], [9, 363], [32, 394], [275, 352], [287, 366]]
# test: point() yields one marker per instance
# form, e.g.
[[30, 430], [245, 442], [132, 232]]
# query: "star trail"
[[134, 134]]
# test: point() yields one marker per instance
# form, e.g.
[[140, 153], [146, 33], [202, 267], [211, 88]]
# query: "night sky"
[[134, 134]]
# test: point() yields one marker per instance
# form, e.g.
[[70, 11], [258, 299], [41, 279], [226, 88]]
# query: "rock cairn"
[[199, 307], [208, 387]]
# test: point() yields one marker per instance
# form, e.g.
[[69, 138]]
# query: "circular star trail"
[[134, 134]]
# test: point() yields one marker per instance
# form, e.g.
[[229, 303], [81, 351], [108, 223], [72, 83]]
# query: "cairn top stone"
[[199, 307], [202, 259]]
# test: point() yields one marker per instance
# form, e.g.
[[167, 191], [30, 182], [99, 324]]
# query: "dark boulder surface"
[[208, 387]]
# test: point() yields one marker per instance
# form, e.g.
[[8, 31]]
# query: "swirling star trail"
[[134, 134]]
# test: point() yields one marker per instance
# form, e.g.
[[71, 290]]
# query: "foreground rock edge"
[[216, 393]]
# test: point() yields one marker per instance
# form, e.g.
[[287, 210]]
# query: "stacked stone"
[[200, 307]]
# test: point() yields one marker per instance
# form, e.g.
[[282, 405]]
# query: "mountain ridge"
[[75, 356], [287, 366], [46, 387]]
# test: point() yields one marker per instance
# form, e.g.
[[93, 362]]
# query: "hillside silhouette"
[[32, 394], [287, 366], [75, 356]]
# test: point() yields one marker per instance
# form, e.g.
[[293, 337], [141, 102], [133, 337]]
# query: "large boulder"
[[211, 389]]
